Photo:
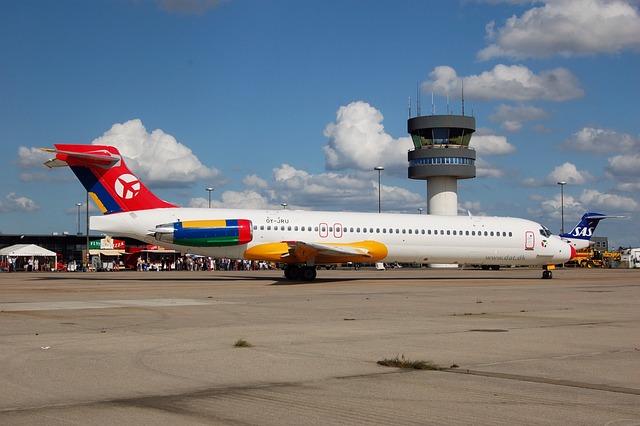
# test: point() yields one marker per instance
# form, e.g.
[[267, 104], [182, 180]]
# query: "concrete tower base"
[[442, 199], [442, 195]]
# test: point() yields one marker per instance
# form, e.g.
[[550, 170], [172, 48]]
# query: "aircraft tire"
[[308, 273], [292, 272]]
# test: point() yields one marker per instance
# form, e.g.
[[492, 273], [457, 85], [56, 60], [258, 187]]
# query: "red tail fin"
[[102, 171]]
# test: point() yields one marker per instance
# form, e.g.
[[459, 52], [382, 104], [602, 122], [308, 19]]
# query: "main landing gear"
[[546, 273], [298, 272]]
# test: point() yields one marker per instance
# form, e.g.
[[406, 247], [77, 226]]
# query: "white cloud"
[[624, 166], [487, 143], [628, 186], [31, 161], [486, 169], [19, 204], [356, 191], [254, 181], [31, 158], [511, 117], [601, 141], [596, 200], [566, 172], [569, 173], [357, 140], [473, 207], [566, 28], [514, 82], [157, 157]]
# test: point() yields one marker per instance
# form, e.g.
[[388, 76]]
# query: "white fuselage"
[[407, 238]]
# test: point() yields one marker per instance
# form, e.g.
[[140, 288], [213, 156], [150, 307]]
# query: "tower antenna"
[[433, 108], [418, 100], [409, 106], [462, 81]]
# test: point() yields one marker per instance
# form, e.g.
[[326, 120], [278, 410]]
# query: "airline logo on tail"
[[127, 186]]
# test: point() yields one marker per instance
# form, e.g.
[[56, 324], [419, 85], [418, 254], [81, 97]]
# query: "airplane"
[[580, 236], [302, 239]]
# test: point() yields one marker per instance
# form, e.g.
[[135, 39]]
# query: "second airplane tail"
[[105, 176], [581, 234]]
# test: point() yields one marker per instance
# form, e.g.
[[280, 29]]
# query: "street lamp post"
[[420, 209], [379, 169], [85, 259], [209, 189], [562, 184], [284, 206], [78, 205]]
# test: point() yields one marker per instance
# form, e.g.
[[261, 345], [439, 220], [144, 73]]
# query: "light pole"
[[209, 189], [78, 205], [420, 209], [284, 206], [562, 184], [379, 169], [85, 260]]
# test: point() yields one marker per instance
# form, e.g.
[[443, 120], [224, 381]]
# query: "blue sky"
[[296, 101]]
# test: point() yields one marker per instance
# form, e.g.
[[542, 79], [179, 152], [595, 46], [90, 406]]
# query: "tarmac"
[[162, 348]]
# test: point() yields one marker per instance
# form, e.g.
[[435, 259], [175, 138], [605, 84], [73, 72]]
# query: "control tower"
[[442, 156]]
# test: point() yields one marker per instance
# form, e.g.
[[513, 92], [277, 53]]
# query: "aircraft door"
[[529, 240]]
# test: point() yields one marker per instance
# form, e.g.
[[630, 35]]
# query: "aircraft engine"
[[206, 233]]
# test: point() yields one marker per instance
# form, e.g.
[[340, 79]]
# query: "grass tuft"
[[241, 343], [402, 362]]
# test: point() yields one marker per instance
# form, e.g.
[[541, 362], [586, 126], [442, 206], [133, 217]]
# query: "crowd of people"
[[200, 263]]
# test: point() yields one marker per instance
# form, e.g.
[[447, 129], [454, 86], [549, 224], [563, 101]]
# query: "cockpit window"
[[545, 232]]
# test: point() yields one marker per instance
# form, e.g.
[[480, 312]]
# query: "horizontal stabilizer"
[[104, 158]]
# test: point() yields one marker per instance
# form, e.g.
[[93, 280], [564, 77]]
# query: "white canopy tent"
[[26, 250]]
